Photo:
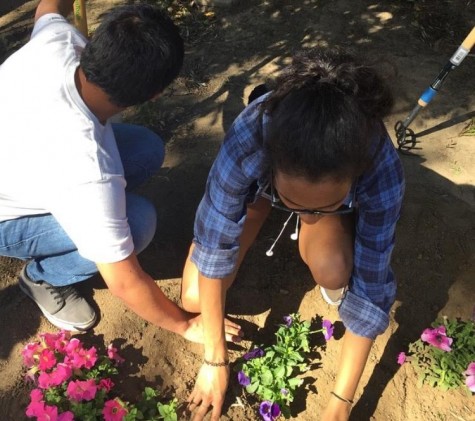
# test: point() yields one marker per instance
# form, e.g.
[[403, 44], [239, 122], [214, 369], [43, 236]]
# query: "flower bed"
[[75, 383], [272, 373], [444, 356]]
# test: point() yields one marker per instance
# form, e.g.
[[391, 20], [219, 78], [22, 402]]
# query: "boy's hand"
[[194, 331]]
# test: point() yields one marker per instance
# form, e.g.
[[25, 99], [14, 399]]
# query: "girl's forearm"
[[354, 354]]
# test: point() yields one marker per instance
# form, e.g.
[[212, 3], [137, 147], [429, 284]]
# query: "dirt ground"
[[228, 52]]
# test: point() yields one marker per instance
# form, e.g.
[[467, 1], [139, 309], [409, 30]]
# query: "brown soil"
[[434, 259]]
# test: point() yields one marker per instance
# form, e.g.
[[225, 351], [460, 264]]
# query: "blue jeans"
[[52, 255]]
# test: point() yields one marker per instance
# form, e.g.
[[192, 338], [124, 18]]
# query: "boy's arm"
[[63, 7], [127, 280]]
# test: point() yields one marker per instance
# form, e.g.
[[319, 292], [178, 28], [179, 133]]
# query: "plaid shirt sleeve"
[[365, 307], [221, 213]]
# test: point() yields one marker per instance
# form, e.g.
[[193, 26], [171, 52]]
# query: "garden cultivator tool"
[[80, 18], [406, 138]]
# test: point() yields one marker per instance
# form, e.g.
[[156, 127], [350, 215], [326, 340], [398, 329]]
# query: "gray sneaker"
[[62, 306]]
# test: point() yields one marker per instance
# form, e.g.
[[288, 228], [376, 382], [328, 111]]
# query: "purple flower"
[[470, 373], [255, 353], [328, 328], [284, 391], [269, 411], [401, 358], [437, 337], [243, 379], [288, 320]]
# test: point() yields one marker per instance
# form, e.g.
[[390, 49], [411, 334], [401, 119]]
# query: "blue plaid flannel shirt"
[[241, 172]]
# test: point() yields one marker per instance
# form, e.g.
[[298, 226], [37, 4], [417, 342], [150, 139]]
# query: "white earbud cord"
[[270, 251]]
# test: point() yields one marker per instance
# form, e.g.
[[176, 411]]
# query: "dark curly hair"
[[134, 54], [326, 112]]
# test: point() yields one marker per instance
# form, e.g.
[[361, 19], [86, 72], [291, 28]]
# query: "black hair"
[[326, 110], [134, 54]]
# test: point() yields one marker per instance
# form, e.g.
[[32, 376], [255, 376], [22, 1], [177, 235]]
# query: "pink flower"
[[82, 390], [327, 328], [42, 412], [47, 359], [470, 379], [113, 355], [66, 416], [35, 409], [106, 384], [50, 413], [73, 346], [52, 340], [30, 353], [401, 358], [80, 357], [437, 337], [62, 340], [114, 410], [62, 373], [90, 357], [36, 395], [44, 380]]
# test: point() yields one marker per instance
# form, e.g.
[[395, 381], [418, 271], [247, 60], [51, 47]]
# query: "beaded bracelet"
[[348, 401], [220, 364]]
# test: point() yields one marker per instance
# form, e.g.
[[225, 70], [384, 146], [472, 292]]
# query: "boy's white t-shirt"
[[55, 156]]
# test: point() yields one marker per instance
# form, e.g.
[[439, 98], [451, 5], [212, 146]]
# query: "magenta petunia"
[[60, 374], [36, 395], [106, 384], [66, 416], [437, 337], [113, 355], [44, 380], [30, 354], [34, 409], [46, 359], [401, 358], [62, 340], [55, 341], [328, 328], [114, 411], [470, 379], [80, 390], [90, 356], [41, 411], [73, 346]]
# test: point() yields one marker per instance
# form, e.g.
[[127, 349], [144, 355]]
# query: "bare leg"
[[326, 246], [256, 215]]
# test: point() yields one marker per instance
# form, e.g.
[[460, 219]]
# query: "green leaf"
[[267, 378], [252, 387]]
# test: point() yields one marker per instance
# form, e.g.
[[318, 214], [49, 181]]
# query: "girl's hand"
[[336, 410]]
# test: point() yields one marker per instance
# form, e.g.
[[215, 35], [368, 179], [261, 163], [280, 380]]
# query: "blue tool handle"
[[427, 96]]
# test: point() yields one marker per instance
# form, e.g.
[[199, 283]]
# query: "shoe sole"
[[58, 322]]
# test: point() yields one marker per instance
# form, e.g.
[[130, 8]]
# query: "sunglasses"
[[342, 210]]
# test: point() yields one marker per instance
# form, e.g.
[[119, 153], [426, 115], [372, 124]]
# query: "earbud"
[[295, 235], [269, 253]]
